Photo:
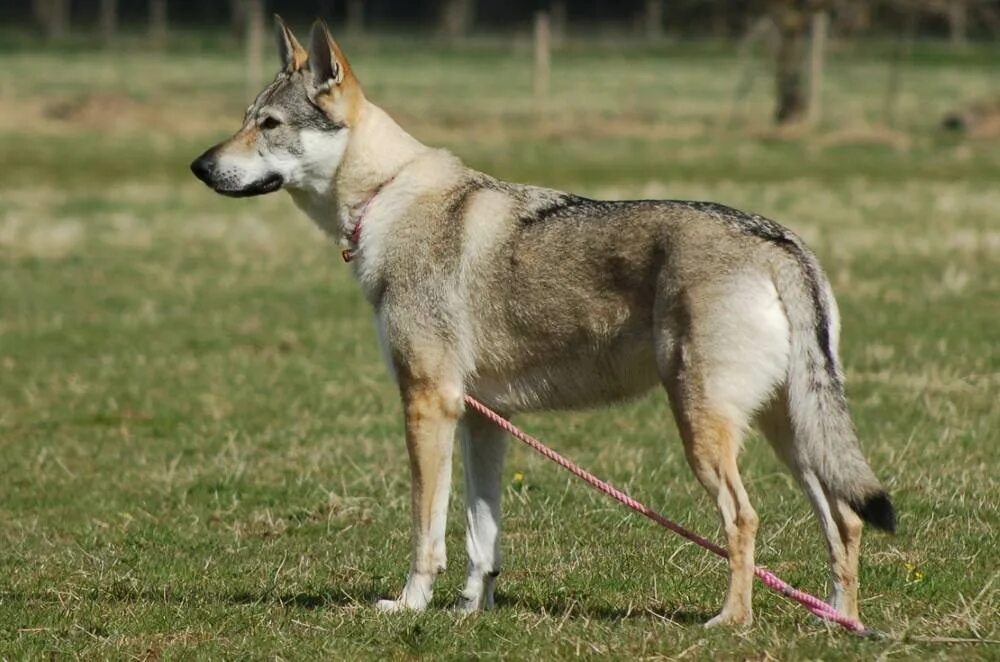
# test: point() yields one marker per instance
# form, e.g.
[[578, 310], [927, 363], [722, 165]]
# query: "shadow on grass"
[[113, 595], [558, 606], [364, 598], [316, 600]]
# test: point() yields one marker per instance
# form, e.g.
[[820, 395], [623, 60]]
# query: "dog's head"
[[296, 131]]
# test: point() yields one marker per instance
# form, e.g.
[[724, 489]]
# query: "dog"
[[532, 299]]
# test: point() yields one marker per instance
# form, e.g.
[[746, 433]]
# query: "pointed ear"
[[293, 56], [327, 63]]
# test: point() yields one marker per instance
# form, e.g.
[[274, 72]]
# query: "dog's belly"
[[572, 379]]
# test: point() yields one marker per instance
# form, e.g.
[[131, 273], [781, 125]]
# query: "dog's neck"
[[377, 149]]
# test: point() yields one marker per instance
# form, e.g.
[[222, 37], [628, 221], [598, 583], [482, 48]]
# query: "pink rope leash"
[[772, 581]]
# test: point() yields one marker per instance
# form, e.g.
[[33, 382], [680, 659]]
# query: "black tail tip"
[[877, 510]]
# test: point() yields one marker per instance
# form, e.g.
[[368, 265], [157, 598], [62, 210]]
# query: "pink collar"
[[348, 254]]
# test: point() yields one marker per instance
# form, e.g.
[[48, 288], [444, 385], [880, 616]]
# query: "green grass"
[[203, 454]]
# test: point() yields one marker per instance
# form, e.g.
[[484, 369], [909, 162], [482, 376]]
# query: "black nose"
[[203, 166]]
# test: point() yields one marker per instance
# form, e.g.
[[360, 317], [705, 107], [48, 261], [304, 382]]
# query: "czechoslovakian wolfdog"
[[531, 299]]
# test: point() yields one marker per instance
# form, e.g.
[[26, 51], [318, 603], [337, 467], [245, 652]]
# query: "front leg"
[[483, 448], [432, 410]]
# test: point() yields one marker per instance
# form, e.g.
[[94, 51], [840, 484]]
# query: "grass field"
[[202, 453]]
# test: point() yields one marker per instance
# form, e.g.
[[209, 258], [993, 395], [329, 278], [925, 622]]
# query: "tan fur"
[[532, 299], [345, 100], [711, 444], [247, 138], [846, 557], [427, 420]]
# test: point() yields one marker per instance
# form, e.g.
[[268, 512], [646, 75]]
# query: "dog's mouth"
[[206, 168], [268, 184]]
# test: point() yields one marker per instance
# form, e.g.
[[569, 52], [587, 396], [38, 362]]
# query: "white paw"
[[390, 606], [478, 594], [728, 619], [467, 605]]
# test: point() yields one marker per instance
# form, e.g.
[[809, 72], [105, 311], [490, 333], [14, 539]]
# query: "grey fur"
[[566, 261], [532, 299], [288, 92]]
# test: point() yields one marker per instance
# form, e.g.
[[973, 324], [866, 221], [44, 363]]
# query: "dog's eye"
[[270, 122]]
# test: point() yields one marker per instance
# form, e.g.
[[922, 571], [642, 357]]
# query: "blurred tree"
[[989, 16], [760, 32], [851, 17], [817, 54], [255, 46], [158, 23], [542, 55], [40, 12], [53, 16], [456, 17], [324, 10], [237, 17], [355, 16], [654, 19], [558, 19], [59, 22], [789, 17], [108, 20], [720, 19], [957, 22], [902, 53]]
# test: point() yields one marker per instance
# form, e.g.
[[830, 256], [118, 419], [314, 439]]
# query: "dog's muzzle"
[[205, 168]]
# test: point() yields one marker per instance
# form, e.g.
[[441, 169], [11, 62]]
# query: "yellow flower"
[[518, 477], [910, 567]]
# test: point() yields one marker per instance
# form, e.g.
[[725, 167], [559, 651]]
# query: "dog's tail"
[[825, 440]]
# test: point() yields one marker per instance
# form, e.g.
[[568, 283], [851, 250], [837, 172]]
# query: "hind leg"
[[844, 569], [842, 528], [840, 524], [711, 443], [730, 351]]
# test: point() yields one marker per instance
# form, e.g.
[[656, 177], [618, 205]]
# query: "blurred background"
[[672, 85], [190, 388]]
